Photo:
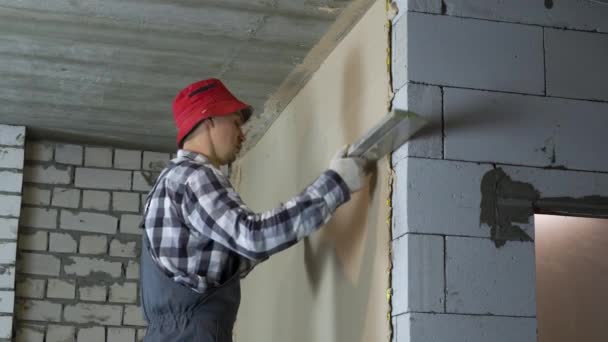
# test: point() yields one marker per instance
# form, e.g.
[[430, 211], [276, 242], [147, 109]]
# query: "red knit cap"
[[203, 100]]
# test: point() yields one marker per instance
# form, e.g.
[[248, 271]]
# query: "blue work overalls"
[[176, 313]]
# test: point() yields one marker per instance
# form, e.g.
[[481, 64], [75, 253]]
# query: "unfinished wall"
[[79, 242], [12, 140], [517, 98], [332, 286]]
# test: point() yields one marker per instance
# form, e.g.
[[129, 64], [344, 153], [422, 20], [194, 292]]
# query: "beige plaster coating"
[[331, 286]]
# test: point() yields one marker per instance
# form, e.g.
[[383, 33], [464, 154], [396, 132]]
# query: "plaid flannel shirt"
[[201, 233]]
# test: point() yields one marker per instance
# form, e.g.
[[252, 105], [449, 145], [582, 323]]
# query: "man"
[[200, 238]]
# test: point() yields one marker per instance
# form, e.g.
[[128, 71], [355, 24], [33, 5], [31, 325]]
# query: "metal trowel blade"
[[389, 134]]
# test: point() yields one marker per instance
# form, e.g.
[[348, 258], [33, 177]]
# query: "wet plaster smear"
[[508, 205], [331, 286]]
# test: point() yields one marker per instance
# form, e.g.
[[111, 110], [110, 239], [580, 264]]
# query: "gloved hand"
[[349, 168]]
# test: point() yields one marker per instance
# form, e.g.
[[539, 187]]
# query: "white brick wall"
[[68, 154], [60, 333], [99, 157], [103, 179], [78, 261], [502, 83], [94, 334], [93, 313]]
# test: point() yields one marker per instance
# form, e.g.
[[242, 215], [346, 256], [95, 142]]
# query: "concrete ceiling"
[[106, 71]]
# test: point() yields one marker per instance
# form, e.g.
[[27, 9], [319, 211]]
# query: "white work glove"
[[349, 168]]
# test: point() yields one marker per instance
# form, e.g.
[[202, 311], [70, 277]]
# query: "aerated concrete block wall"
[[79, 242], [516, 94], [12, 139]]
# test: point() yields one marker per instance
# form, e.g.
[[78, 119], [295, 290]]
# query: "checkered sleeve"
[[213, 208]]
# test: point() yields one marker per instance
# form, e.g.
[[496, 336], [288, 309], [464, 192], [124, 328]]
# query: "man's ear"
[[209, 123]]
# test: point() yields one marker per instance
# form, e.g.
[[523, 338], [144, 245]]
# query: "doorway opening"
[[571, 278]]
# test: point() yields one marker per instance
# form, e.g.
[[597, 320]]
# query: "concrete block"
[[98, 200], [127, 159], [418, 274], [582, 15], [62, 243], [88, 222], [144, 199], [30, 288], [576, 64], [38, 264], [482, 54], [123, 293], [36, 196], [425, 101], [11, 181], [134, 316], [93, 334], [132, 270], [121, 334], [67, 198], [84, 266], [12, 135], [144, 180], [29, 333], [424, 188], [478, 123], [60, 333], [11, 158], [7, 277], [98, 156], [129, 224], [68, 154], [10, 205], [7, 301], [95, 293], [37, 241], [59, 288], [483, 279], [120, 248], [141, 333], [426, 6], [93, 244], [424, 327], [6, 327], [47, 174], [93, 313], [155, 161], [38, 310], [39, 151], [39, 218], [103, 179], [9, 228], [8, 252], [125, 201]]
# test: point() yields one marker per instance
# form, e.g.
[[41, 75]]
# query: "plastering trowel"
[[390, 133]]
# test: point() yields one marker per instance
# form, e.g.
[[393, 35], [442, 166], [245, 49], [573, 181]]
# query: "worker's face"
[[227, 137]]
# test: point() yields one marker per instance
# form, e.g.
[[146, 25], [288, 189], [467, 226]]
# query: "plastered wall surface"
[[331, 286], [517, 117]]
